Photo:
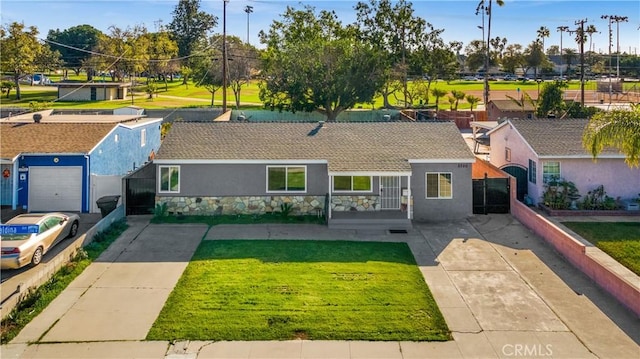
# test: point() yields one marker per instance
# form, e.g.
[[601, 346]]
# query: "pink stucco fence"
[[617, 280]]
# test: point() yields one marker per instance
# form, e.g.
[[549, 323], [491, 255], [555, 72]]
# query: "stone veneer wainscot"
[[241, 205], [265, 204]]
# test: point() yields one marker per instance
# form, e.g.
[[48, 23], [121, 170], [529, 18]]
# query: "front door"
[[390, 192]]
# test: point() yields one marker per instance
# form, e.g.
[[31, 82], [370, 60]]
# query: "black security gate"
[[141, 195], [491, 195]]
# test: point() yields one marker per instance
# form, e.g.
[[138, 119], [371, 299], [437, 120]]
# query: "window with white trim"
[[352, 183], [287, 179], [438, 185], [550, 169], [532, 171], [170, 179], [143, 137]]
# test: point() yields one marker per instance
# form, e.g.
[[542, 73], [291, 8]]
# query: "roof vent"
[[37, 117], [386, 117]]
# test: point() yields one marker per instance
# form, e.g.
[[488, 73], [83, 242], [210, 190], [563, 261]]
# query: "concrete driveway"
[[119, 296], [503, 292]]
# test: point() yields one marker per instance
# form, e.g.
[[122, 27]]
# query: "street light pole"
[[618, 20], [224, 56], [248, 9]]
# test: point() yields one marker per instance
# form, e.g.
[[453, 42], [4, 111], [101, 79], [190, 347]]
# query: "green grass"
[[35, 301], [194, 96], [280, 290], [620, 240]]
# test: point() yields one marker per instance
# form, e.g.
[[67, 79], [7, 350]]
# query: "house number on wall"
[[463, 165]]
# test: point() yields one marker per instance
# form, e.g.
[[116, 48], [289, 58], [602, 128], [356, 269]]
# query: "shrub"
[[560, 193]]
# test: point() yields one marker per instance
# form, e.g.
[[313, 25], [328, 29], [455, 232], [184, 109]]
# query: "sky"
[[517, 20]]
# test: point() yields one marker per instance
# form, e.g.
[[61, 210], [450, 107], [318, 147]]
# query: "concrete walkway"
[[503, 292]]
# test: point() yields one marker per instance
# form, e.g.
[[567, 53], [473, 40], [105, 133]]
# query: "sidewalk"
[[501, 290]]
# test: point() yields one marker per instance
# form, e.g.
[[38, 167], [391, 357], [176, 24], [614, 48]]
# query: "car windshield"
[[14, 237]]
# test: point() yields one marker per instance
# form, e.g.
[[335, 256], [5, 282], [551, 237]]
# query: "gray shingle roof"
[[556, 137], [346, 146]]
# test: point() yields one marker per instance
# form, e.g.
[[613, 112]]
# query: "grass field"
[[620, 240], [280, 290], [178, 95]]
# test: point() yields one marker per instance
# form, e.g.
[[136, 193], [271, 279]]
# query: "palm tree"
[[457, 95], [590, 30], [543, 32], [486, 5], [472, 100], [617, 128], [569, 55], [437, 93], [452, 102]]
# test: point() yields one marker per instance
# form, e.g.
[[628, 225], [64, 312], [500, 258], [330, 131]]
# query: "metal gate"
[[141, 195], [491, 195], [390, 192]]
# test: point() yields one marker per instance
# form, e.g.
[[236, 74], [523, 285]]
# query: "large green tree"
[[394, 30], [74, 45], [190, 25], [534, 56], [162, 53], [121, 52], [513, 58], [207, 69], [20, 48], [313, 62], [618, 129]]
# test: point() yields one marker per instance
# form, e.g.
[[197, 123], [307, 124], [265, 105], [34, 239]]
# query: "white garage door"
[[55, 189]]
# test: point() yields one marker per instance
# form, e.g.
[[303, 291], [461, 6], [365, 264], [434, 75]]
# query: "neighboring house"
[[359, 169], [67, 162], [92, 91], [502, 109], [536, 150]]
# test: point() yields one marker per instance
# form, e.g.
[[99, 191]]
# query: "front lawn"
[[620, 240], [281, 290]]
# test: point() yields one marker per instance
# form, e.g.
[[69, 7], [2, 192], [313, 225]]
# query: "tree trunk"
[[213, 96], [16, 81]]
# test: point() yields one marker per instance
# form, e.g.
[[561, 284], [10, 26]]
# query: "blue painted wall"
[[113, 157], [48, 160], [6, 186]]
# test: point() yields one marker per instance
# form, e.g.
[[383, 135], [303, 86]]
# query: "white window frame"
[[286, 167], [545, 178], [532, 171], [143, 137], [116, 138], [333, 185], [439, 195], [160, 190]]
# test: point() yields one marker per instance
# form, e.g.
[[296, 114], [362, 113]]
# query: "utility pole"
[[224, 56], [561, 29], [248, 9], [581, 39]]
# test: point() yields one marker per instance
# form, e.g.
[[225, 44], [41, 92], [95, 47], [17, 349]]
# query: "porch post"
[[329, 198], [409, 197]]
